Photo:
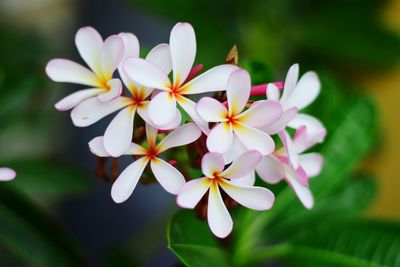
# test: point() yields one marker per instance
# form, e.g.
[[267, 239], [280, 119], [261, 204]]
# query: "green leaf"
[[341, 243], [48, 178], [193, 243], [30, 233]]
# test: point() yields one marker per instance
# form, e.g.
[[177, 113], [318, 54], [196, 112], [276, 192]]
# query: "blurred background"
[[57, 207]]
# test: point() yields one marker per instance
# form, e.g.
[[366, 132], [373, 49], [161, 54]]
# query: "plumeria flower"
[[163, 106], [168, 177], [296, 96], [273, 168], [232, 122], [216, 178], [118, 134], [102, 58], [7, 174]]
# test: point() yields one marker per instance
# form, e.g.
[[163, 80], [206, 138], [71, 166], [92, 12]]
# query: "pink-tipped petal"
[[212, 80], [302, 192], [261, 113], [64, 70], [220, 138], [160, 56], [273, 92], [211, 164], [211, 110], [7, 174], [290, 149], [114, 91], [253, 138], [306, 91], [146, 74], [183, 135], [190, 108], [305, 139], [290, 82], [96, 146], [238, 91], [162, 109], [218, 217], [74, 99], [191, 193], [89, 44], [182, 43], [118, 135], [92, 110], [168, 177], [127, 180], [252, 197], [281, 123], [311, 163], [270, 170], [312, 123], [243, 165]]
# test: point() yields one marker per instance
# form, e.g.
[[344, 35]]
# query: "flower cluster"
[[229, 135]]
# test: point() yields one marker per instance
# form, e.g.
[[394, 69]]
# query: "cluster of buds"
[[228, 136]]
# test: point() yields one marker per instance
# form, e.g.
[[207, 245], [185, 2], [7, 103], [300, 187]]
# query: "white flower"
[[233, 123], [296, 96], [217, 178], [118, 134], [102, 58], [6, 174], [169, 177], [162, 108], [291, 164]]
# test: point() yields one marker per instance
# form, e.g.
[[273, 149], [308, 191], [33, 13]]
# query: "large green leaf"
[[193, 243], [48, 178], [30, 233]]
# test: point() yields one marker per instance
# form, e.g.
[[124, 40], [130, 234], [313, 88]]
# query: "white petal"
[[290, 149], [252, 197], [219, 220], [160, 56], [89, 44], [168, 177], [211, 110], [212, 163], [96, 146], [302, 192], [247, 180], [238, 91], [135, 149], [311, 163], [74, 99], [162, 109], [182, 43], [146, 74], [127, 180], [312, 123], [7, 174], [243, 165], [281, 123], [151, 135], [235, 151], [290, 82], [118, 135], [190, 108], [131, 45], [143, 111], [191, 193], [64, 70], [220, 138], [112, 53], [304, 139], [212, 80], [306, 91], [270, 170], [272, 92], [253, 138], [92, 110], [261, 113], [183, 135], [114, 91]]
